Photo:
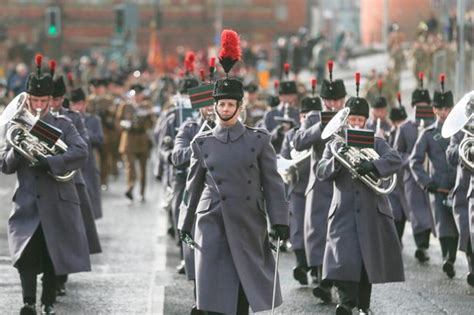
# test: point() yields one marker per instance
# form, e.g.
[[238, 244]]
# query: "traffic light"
[[119, 19], [53, 21]]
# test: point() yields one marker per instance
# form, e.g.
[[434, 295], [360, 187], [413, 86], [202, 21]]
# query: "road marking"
[[156, 297]]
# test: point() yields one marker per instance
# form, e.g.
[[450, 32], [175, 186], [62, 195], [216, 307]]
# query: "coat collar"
[[233, 132], [48, 118]]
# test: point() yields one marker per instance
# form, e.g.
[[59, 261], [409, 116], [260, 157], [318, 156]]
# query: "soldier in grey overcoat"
[[379, 112], [181, 157], [46, 231], [296, 190], [441, 178], [418, 201], [460, 198], [232, 186], [354, 258], [95, 134], [288, 102], [397, 198], [318, 193], [78, 121]]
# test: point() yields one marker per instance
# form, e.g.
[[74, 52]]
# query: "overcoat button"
[[211, 168], [250, 182], [206, 156], [253, 149], [248, 198], [223, 198], [201, 142]]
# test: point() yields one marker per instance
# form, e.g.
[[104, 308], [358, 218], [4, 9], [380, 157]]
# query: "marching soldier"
[[378, 114], [288, 95], [87, 208], [461, 202], [318, 193], [96, 139], [397, 198], [297, 188], [440, 180], [255, 109], [42, 239], [181, 157], [102, 104], [228, 199], [173, 122], [418, 200], [136, 119], [354, 259]]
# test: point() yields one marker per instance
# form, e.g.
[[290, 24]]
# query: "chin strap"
[[226, 119]]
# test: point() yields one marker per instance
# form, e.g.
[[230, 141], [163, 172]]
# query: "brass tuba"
[[354, 156], [30, 136], [461, 118]]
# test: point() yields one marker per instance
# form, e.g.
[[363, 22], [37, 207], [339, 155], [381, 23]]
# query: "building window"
[[281, 11]]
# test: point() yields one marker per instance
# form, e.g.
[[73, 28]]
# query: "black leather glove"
[[340, 147], [366, 167], [281, 231], [17, 154], [187, 238], [432, 188], [42, 164]]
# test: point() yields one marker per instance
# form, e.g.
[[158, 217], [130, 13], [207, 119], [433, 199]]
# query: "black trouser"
[[400, 226], [242, 304], [422, 239], [449, 247], [35, 259], [355, 294], [470, 258], [300, 258]]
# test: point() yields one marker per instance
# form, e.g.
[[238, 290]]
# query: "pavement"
[[136, 273]]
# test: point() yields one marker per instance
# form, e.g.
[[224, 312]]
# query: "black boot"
[[449, 255], [400, 226], [47, 310], [180, 268], [422, 255], [28, 309], [342, 309], [301, 269], [470, 266]]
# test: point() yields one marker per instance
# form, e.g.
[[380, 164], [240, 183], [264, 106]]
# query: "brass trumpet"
[[461, 118], [355, 156], [32, 137]]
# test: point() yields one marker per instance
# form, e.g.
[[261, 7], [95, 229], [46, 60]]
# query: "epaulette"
[[64, 117], [256, 129]]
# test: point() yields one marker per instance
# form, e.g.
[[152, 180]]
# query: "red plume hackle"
[[442, 78], [189, 62], [203, 75], [421, 76], [70, 79], [314, 82], [276, 84], [357, 79], [380, 86], [52, 67], [286, 69], [230, 50], [330, 67], [212, 68], [38, 62], [399, 98]]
